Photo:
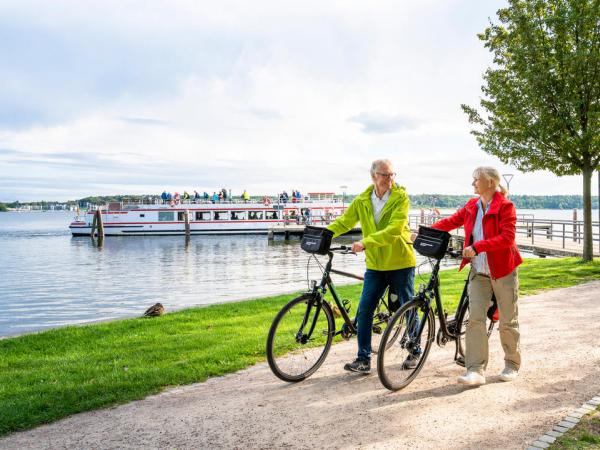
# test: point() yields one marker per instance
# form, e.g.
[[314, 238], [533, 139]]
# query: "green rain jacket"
[[387, 245]]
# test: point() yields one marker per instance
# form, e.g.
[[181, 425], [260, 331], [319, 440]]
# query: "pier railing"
[[534, 233]]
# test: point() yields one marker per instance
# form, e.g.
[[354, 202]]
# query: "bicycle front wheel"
[[300, 338], [403, 349]]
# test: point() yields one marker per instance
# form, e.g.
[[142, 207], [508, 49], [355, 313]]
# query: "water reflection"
[[48, 278]]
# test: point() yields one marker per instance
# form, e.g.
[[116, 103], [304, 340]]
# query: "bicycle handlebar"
[[343, 249], [454, 253]]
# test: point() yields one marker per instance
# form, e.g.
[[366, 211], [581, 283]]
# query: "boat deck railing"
[[267, 201]]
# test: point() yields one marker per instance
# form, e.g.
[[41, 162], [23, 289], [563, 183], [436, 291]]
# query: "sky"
[[134, 97]]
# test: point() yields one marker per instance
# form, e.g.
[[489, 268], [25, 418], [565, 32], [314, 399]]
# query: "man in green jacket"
[[382, 210]]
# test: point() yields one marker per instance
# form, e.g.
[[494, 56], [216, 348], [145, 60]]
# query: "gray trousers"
[[506, 290]]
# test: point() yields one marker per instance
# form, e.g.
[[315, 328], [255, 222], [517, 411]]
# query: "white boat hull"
[[157, 220]]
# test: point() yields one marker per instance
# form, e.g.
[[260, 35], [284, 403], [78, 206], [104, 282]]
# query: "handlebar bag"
[[316, 240], [431, 242]]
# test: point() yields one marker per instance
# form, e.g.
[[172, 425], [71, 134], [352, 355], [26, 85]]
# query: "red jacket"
[[498, 229]]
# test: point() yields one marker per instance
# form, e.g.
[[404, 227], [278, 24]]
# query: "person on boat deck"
[[220, 196], [246, 196], [185, 196], [205, 196], [382, 210], [293, 195], [176, 197], [224, 191], [298, 196], [163, 196], [169, 196], [215, 197], [196, 197]]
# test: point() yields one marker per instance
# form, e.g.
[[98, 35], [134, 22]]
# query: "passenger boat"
[[235, 217]]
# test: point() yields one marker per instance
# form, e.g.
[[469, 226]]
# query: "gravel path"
[[252, 409]]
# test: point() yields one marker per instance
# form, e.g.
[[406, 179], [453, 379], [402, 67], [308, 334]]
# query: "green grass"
[[585, 435], [49, 375]]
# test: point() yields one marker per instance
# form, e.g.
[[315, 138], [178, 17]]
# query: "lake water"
[[49, 278]]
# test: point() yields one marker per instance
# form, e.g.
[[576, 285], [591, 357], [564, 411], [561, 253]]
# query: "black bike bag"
[[431, 242], [316, 240]]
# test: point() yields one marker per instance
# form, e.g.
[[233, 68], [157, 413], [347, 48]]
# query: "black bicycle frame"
[[434, 286], [327, 283]]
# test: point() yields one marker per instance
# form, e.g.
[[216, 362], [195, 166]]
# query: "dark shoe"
[[359, 365], [410, 362]]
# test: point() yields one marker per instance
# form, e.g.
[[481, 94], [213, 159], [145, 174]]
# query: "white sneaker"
[[508, 374], [472, 379]]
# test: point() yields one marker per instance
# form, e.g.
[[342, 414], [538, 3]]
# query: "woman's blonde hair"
[[489, 173]]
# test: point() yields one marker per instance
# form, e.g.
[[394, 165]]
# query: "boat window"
[[142, 215], [202, 215], [166, 216], [238, 215], [180, 215], [221, 215], [271, 215], [255, 215]]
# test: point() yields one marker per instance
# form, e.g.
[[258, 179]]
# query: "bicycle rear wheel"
[[403, 350], [300, 338], [461, 328]]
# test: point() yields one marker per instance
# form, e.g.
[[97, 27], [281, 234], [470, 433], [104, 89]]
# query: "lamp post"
[[507, 177], [343, 188]]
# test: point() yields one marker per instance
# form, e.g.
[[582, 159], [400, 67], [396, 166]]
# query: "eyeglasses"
[[386, 175]]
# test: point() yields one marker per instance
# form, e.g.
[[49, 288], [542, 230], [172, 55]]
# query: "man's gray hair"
[[377, 164]]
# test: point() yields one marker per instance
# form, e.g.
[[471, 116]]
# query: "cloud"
[[379, 123], [145, 121], [104, 97]]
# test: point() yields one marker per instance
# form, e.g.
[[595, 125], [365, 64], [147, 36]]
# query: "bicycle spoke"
[[405, 348], [299, 339]]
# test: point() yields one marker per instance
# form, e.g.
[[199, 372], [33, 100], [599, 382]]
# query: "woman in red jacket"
[[489, 222]]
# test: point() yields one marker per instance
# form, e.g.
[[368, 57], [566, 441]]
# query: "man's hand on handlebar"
[[357, 247]]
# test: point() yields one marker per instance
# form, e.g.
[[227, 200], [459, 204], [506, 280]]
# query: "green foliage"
[[543, 92], [49, 375], [520, 201], [542, 95], [585, 435]]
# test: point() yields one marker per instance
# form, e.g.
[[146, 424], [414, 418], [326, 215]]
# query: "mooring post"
[[100, 227], [94, 226], [186, 216]]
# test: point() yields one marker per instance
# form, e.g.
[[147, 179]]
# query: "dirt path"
[[335, 409]]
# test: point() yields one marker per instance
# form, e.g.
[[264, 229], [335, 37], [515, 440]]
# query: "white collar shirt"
[[378, 204]]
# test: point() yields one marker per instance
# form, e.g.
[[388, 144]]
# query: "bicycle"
[[411, 330], [302, 332]]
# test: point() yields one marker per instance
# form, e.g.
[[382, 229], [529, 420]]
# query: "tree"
[[542, 93]]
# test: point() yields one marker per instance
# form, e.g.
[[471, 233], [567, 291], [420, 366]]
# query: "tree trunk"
[[588, 243]]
